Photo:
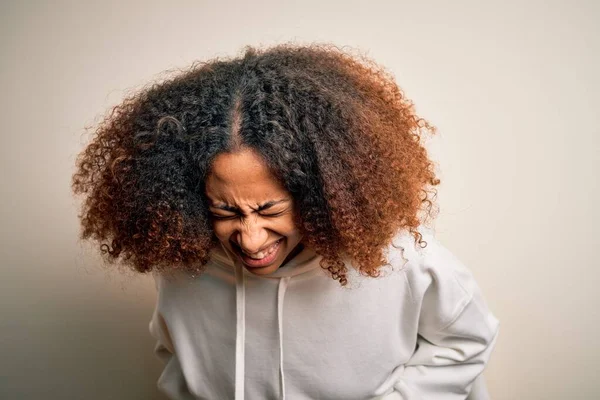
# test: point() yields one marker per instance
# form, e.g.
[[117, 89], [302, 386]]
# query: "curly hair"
[[332, 126]]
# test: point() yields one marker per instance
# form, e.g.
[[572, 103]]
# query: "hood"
[[303, 262]]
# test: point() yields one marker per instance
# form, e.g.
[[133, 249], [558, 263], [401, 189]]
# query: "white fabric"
[[421, 331]]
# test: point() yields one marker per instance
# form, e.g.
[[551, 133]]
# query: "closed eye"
[[229, 217], [272, 215], [223, 217]]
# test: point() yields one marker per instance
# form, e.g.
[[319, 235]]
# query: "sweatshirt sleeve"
[[171, 381], [456, 333]]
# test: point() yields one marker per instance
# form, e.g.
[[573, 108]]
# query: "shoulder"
[[432, 268]]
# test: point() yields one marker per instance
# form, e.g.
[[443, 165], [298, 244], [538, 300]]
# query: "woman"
[[280, 199]]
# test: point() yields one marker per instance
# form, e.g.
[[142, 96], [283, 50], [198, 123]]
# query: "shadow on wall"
[[84, 342]]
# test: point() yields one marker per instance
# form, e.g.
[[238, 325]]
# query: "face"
[[252, 214]]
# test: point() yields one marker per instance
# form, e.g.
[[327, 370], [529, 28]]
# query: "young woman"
[[280, 201]]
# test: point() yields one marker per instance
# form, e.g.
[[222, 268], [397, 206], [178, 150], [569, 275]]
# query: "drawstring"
[[240, 309], [283, 284]]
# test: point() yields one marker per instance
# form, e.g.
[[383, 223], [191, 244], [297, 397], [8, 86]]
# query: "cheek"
[[289, 229], [222, 230]]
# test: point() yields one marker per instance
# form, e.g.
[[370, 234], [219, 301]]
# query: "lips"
[[268, 256]]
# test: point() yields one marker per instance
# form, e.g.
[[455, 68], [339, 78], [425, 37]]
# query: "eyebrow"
[[261, 207]]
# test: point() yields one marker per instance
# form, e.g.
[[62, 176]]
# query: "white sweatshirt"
[[421, 331]]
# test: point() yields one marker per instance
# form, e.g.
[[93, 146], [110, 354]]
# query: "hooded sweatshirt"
[[421, 330]]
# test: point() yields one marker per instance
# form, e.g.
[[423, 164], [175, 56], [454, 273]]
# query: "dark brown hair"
[[334, 127]]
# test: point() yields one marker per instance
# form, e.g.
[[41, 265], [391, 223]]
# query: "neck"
[[299, 247]]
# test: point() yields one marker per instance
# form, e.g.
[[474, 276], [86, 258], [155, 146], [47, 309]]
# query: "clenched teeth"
[[264, 253]]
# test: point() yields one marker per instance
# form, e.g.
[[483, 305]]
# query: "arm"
[[447, 361], [456, 334]]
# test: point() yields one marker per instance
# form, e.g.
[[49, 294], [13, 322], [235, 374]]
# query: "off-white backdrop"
[[512, 88]]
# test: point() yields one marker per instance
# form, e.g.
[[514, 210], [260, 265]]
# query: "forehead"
[[242, 176]]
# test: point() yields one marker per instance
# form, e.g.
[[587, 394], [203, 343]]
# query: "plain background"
[[512, 88]]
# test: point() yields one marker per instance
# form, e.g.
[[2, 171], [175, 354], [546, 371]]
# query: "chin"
[[267, 269]]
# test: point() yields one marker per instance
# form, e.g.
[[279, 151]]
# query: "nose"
[[252, 237]]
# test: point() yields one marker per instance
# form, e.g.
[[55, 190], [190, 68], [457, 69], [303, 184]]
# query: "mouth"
[[262, 258]]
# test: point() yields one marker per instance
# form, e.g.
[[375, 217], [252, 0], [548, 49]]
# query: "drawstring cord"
[[240, 302], [283, 284]]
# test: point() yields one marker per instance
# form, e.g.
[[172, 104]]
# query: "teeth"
[[263, 254]]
